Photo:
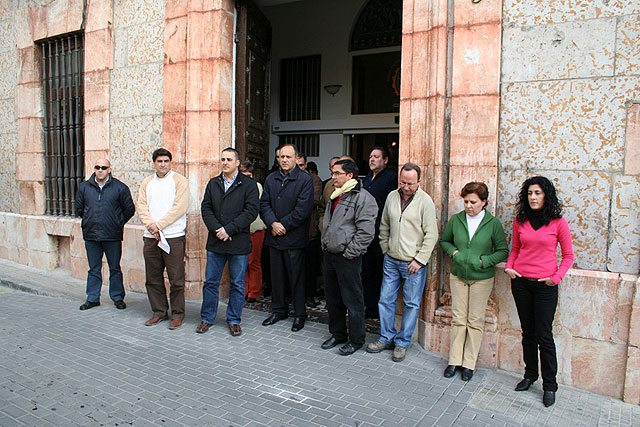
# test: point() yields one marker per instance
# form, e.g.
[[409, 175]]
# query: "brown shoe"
[[175, 323], [235, 330], [155, 320], [203, 327]]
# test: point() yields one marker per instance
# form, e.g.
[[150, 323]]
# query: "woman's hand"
[[512, 273], [548, 281]]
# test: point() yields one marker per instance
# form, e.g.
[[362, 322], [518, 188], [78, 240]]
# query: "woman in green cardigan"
[[476, 243]]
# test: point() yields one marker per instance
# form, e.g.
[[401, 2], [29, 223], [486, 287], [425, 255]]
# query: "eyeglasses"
[[337, 173], [407, 184], [104, 168]]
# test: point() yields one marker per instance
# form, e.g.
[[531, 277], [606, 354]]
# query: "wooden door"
[[253, 54]]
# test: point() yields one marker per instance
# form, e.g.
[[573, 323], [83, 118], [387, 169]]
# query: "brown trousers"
[[155, 262]]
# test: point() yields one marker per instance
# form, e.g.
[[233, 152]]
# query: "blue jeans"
[[95, 250], [213, 274], [394, 273]]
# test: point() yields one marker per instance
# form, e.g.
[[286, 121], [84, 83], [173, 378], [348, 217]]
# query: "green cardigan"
[[488, 244]]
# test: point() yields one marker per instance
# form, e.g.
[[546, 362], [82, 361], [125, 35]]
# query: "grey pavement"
[[63, 366]]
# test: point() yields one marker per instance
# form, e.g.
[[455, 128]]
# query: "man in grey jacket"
[[348, 228]]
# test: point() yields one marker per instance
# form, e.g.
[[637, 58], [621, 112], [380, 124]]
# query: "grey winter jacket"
[[350, 228]]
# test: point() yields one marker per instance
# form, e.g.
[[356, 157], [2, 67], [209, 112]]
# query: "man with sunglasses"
[[105, 205]]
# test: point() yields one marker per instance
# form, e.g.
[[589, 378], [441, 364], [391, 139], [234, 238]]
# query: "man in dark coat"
[[105, 205], [379, 182], [285, 208], [229, 207]]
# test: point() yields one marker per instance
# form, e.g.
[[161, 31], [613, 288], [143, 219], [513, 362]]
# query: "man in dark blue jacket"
[[105, 206], [229, 206], [285, 207]]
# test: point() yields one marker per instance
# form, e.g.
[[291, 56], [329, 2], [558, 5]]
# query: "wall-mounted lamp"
[[332, 89]]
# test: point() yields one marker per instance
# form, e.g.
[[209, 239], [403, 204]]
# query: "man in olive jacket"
[[105, 205], [349, 226], [408, 234], [229, 207]]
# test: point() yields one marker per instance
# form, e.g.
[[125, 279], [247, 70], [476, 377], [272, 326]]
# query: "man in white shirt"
[[163, 200]]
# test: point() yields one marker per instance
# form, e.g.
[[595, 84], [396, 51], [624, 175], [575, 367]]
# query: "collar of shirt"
[[228, 184], [105, 181], [403, 204]]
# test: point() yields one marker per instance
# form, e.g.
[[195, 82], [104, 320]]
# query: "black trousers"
[[343, 290], [536, 303], [312, 257], [287, 267], [371, 276]]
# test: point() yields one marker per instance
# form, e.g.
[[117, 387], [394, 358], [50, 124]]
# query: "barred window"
[[300, 88], [308, 144], [63, 92]]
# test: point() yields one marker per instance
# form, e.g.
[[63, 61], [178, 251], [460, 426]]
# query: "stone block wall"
[[8, 123], [136, 96], [569, 111]]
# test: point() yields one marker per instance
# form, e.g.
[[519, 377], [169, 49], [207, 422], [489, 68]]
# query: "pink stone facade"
[[161, 74]]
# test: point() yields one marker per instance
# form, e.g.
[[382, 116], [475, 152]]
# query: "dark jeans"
[[287, 266], [371, 275], [343, 290], [536, 303], [312, 256], [155, 262], [113, 250]]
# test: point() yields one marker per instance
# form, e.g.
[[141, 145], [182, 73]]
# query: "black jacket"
[[288, 200], [234, 210], [105, 211]]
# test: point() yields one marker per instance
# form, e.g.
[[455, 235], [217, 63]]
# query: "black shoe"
[[251, 300], [298, 323], [548, 398], [467, 374], [524, 384], [120, 305], [450, 371], [274, 318], [348, 349], [88, 304], [311, 302], [331, 342]]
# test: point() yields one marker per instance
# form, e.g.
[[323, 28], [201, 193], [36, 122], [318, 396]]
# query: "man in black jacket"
[[105, 206], [285, 208], [229, 207]]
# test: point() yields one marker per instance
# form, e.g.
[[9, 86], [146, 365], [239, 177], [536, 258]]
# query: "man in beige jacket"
[[163, 200], [408, 234]]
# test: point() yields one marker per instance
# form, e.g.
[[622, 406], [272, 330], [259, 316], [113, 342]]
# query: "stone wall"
[[569, 110], [8, 123]]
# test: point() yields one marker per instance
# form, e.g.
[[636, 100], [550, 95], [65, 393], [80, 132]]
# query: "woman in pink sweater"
[[535, 275]]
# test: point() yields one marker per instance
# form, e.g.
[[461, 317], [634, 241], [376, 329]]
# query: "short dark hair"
[[385, 151], [304, 156], [552, 206], [246, 166], [348, 166], [312, 167], [478, 188], [411, 167], [234, 152], [161, 152]]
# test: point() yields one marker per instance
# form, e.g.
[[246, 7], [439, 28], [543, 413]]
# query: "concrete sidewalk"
[[63, 366]]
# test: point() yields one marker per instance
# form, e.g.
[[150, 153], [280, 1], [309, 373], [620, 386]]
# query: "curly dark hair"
[[552, 206]]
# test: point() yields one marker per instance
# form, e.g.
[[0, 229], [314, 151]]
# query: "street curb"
[[28, 289]]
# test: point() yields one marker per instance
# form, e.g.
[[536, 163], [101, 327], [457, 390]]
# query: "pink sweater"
[[533, 253]]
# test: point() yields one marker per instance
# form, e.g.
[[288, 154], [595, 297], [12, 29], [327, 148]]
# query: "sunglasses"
[[104, 168]]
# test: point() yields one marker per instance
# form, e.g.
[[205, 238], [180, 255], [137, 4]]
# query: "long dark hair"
[[552, 206]]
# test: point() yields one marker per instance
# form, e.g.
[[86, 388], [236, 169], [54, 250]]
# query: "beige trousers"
[[468, 306]]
